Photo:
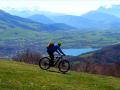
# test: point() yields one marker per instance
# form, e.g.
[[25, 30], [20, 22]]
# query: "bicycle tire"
[[47, 63], [62, 63]]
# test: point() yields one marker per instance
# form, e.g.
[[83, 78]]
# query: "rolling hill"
[[41, 19], [74, 21], [107, 21], [108, 18], [107, 55], [20, 33], [9, 22], [16, 75], [90, 21], [100, 17]]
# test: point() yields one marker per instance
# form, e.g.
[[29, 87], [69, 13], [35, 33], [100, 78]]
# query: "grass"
[[21, 76]]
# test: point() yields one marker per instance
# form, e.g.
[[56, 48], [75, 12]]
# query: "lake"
[[75, 52]]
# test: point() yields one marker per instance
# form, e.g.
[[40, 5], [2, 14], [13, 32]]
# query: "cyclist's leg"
[[51, 54], [52, 58]]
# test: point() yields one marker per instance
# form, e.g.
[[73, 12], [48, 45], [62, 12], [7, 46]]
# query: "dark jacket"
[[55, 48]]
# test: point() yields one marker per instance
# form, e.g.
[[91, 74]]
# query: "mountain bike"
[[62, 64]]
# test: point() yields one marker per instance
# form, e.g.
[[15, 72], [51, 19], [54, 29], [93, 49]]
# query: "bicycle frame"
[[57, 60]]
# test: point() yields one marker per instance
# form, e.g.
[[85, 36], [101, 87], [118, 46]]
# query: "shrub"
[[27, 56]]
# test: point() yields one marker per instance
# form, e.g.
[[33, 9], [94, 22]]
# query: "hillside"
[[93, 20], [41, 19], [16, 75], [20, 33], [8, 22], [108, 54], [107, 21], [101, 17], [108, 18], [74, 21]]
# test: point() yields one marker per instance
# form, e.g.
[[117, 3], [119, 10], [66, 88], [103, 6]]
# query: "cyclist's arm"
[[61, 51], [58, 52]]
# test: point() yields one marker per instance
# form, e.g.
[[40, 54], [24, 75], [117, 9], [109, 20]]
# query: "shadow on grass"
[[58, 72]]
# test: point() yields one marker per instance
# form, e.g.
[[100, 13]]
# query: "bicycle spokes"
[[64, 66], [44, 63]]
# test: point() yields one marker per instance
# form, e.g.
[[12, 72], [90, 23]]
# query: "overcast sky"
[[76, 7]]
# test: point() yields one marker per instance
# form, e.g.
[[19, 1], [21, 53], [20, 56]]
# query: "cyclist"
[[54, 48]]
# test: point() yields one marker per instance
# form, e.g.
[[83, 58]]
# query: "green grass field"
[[21, 76]]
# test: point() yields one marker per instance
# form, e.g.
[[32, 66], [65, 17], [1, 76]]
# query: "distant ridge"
[[11, 22], [113, 10], [41, 19], [106, 55]]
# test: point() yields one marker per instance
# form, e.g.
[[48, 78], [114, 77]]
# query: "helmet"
[[59, 43]]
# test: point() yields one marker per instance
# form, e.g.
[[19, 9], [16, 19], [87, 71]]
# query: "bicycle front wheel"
[[44, 63], [64, 66]]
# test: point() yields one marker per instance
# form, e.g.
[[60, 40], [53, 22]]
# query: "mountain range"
[[93, 29], [108, 18], [113, 10], [21, 33], [42, 18], [8, 21]]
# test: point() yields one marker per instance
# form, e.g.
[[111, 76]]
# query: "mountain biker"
[[54, 48]]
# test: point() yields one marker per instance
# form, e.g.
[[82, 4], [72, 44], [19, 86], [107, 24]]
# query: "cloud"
[[63, 6]]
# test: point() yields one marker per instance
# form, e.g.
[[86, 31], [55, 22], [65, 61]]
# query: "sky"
[[76, 7]]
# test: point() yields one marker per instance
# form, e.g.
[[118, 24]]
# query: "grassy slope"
[[20, 76]]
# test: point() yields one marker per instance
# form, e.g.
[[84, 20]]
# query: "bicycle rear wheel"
[[64, 66], [44, 63]]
